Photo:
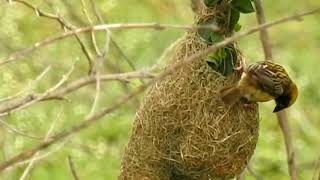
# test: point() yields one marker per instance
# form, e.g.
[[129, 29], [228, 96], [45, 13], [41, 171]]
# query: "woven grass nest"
[[183, 131]]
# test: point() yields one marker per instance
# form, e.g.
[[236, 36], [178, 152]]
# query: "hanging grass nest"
[[183, 130]]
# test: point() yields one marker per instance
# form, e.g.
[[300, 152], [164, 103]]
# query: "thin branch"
[[72, 168], [165, 54], [28, 169], [97, 94], [64, 24], [29, 87], [46, 154], [39, 12], [241, 176], [284, 125], [97, 67], [96, 117], [93, 67], [316, 170], [108, 36], [17, 131], [14, 56], [253, 173], [155, 26], [93, 37], [35, 99], [70, 87], [96, 11], [281, 116], [264, 35]]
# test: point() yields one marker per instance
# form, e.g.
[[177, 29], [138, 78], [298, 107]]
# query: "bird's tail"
[[230, 95]]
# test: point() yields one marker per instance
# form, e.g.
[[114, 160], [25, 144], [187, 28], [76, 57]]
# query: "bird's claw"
[[239, 70], [250, 105]]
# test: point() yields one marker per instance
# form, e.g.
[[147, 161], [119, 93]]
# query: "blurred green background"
[[97, 151]]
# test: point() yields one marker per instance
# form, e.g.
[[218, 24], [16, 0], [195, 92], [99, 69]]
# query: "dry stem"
[[281, 116]]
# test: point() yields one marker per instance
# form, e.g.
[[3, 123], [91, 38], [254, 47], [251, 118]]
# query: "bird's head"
[[287, 99]]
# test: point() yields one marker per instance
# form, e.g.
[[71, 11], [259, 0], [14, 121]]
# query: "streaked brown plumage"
[[261, 82]]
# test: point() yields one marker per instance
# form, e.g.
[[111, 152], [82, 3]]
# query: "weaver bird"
[[260, 82]]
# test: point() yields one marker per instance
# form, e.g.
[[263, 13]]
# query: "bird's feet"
[[239, 70], [250, 105]]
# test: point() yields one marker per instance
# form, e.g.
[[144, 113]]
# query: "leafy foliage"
[[225, 59], [243, 6]]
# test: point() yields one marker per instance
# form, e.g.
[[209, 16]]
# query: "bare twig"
[[39, 12], [281, 116], [73, 168], [35, 99], [241, 176], [316, 172], [109, 38], [17, 131], [155, 26], [64, 24], [253, 173], [46, 154], [96, 117], [284, 125], [94, 63], [104, 51], [165, 54], [29, 87], [102, 27], [97, 95], [70, 87], [93, 37], [264, 35], [100, 56], [32, 162]]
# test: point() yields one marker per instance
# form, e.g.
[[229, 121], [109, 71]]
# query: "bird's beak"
[[278, 108]]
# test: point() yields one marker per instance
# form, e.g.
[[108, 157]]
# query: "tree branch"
[[102, 27], [73, 168], [64, 24], [281, 116], [284, 125], [264, 35], [30, 166], [35, 98], [9, 106], [253, 173]]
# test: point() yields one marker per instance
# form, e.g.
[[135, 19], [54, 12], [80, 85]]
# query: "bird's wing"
[[270, 77]]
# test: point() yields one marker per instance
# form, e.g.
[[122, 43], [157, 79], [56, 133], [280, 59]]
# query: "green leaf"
[[221, 54], [233, 19], [215, 60], [205, 33], [244, 6], [211, 3], [213, 65], [237, 27], [228, 63], [216, 37]]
